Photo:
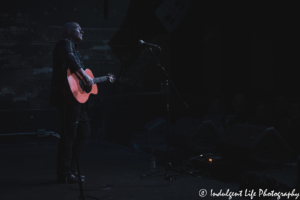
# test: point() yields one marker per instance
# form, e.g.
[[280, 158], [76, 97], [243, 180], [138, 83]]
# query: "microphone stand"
[[79, 180], [79, 174], [169, 136], [82, 195]]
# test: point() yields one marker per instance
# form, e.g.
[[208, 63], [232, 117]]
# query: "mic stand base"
[[168, 176]]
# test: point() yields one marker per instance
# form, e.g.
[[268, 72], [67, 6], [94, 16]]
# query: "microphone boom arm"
[[149, 44]]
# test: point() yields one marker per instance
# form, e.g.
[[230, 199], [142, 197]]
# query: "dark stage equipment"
[[155, 130], [251, 144], [155, 125], [195, 135], [205, 138]]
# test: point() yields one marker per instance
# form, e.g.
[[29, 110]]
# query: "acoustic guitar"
[[76, 92]]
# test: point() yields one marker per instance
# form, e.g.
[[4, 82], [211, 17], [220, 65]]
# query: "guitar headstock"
[[111, 77]]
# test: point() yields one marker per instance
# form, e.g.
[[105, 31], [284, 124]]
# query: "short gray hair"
[[68, 26]]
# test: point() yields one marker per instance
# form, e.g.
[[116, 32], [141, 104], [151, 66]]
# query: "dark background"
[[209, 51], [231, 64]]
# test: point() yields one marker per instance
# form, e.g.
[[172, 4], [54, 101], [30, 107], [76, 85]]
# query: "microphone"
[[149, 44]]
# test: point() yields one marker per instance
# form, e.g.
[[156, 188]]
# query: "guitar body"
[[78, 93]]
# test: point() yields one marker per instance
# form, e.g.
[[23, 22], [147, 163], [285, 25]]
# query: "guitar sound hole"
[[81, 85], [88, 89]]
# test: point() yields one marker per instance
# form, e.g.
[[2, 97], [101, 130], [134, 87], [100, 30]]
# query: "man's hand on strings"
[[87, 81]]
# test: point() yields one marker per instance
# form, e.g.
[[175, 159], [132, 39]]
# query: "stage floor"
[[28, 171]]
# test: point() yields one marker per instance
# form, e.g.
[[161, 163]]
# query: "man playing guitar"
[[75, 127]]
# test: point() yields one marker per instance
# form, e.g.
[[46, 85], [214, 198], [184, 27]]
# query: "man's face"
[[76, 33]]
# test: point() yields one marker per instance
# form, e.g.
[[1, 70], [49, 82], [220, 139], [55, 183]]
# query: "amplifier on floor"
[[195, 135], [253, 144]]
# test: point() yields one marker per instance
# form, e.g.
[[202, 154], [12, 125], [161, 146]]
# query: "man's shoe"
[[76, 174], [69, 179], [72, 179]]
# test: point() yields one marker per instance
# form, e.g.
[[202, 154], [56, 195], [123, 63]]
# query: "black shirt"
[[65, 56]]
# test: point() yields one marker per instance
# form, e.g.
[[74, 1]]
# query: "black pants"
[[75, 130]]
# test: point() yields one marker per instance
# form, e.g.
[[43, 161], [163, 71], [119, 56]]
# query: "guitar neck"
[[100, 79]]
